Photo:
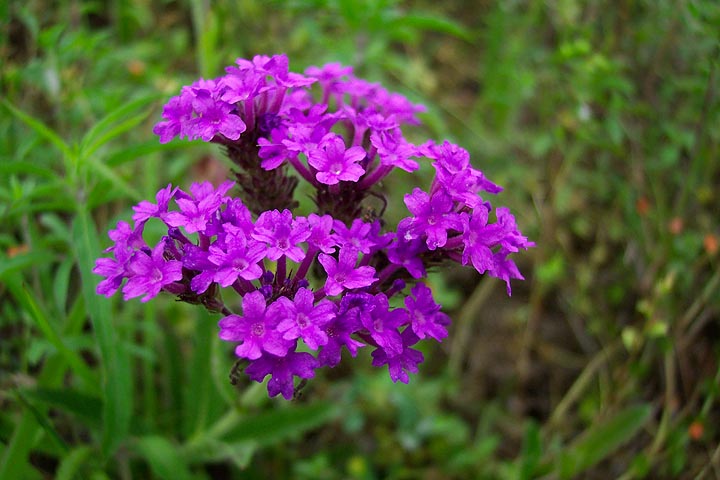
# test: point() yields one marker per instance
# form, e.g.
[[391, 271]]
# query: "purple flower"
[[238, 257], [256, 328], [214, 117], [382, 324], [145, 210], [432, 216], [394, 150], [426, 319], [197, 210], [358, 236], [334, 163], [281, 234], [406, 361], [320, 228], [342, 274], [149, 273], [282, 369], [407, 254], [480, 238], [177, 114], [303, 319], [340, 329], [114, 271], [505, 269]]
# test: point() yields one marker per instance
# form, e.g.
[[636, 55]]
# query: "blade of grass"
[[78, 366], [117, 386], [94, 137], [40, 128], [70, 465], [601, 440], [164, 458]]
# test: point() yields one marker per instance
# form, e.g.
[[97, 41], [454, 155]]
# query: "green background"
[[600, 119]]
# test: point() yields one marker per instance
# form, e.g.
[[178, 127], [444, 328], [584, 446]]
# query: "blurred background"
[[600, 119]]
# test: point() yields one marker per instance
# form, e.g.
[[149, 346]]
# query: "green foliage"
[[600, 120]]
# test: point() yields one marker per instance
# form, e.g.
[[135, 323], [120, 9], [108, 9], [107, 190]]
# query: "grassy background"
[[601, 120]]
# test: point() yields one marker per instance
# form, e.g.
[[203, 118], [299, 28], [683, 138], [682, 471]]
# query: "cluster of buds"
[[307, 286]]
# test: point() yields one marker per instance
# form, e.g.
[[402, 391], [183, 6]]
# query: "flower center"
[[302, 320], [336, 168], [258, 329], [239, 264], [340, 278]]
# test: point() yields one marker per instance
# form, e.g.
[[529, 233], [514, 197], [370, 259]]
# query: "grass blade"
[[601, 440], [117, 386]]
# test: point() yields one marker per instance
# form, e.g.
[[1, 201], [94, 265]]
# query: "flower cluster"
[[310, 285]]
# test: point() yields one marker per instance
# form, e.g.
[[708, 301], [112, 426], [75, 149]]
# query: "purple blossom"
[[149, 273], [270, 121], [281, 234], [383, 323], [198, 209], [342, 274], [320, 237], [340, 329], [426, 319], [239, 257], [177, 114], [406, 253], [114, 271], [303, 319], [256, 328], [505, 269], [282, 370], [359, 236], [432, 216], [334, 163], [406, 361], [145, 210], [394, 151]]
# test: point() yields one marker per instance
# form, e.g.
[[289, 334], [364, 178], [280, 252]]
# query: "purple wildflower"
[[214, 117], [303, 319], [145, 210], [383, 324], [281, 234], [197, 210], [177, 114], [149, 273], [342, 274], [432, 216], [282, 370], [406, 361], [426, 319], [256, 328], [239, 257], [334, 163]]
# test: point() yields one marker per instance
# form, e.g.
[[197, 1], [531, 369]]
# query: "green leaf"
[[87, 408], [274, 426], [423, 21], [76, 363], [106, 129], [117, 385], [40, 128], [44, 422], [531, 451], [602, 440], [10, 266], [72, 462], [164, 458], [211, 450]]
